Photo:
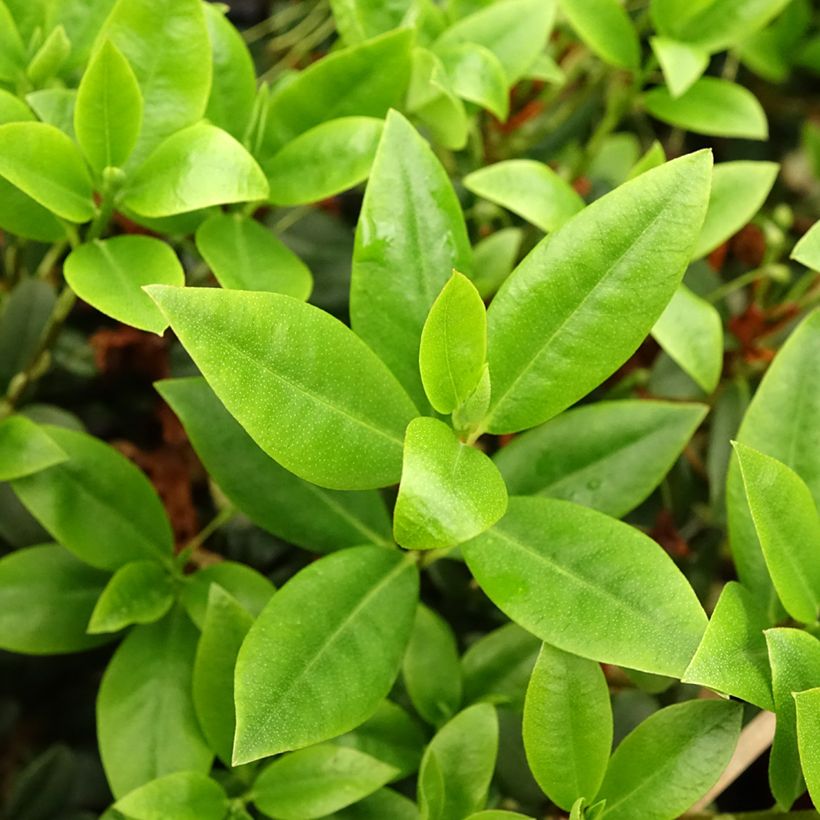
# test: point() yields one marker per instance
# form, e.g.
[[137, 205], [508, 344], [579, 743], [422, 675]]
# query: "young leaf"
[[49, 58], [194, 168], [292, 509], [317, 781], [528, 188], [476, 74], [362, 602], [807, 250], [140, 592], [97, 484], [608, 455], [458, 765], [682, 63], [182, 795], [807, 705], [146, 726], [431, 670], [245, 255], [674, 757], [26, 448], [108, 111], [12, 50], [711, 106], [44, 163], [46, 597], [449, 491], [494, 258], [788, 527], [324, 161], [732, 657], [568, 698], [615, 595], [566, 317], [606, 28], [397, 272], [333, 413], [358, 20], [109, 275], [652, 158]]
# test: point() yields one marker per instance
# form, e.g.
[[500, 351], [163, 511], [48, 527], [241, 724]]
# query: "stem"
[[222, 517]]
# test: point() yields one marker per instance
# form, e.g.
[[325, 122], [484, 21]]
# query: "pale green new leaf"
[[494, 258], [682, 63], [358, 20], [13, 109], [303, 680], [807, 704], [606, 28], [807, 250], [614, 595], [182, 795], [26, 448], [476, 75], [652, 158]]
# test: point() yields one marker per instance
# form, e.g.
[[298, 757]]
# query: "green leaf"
[[342, 84], [431, 670], [140, 592], [615, 595], [195, 168], [378, 806], [807, 705], [146, 726], [494, 258], [449, 491], [12, 50], [606, 28], [476, 74], [453, 345], [245, 255], [682, 64], [109, 275], [780, 424], [739, 190], [498, 814], [566, 318], [324, 161], [292, 509], [807, 250], [607, 455], [44, 163], [26, 448], [300, 682], [49, 58], [358, 20], [317, 781], [458, 765], [397, 270], [652, 158], [97, 485], [108, 111], [333, 413], [674, 757], [55, 106], [528, 188], [46, 598], [568, 698], [225, 627], [13, 109], [711, 106], [24, 217], [794, 656], [516, 31], [182, 795]]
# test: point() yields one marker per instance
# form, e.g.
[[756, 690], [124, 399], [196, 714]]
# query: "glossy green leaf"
[[683, 64], [606, 28], [109, 275], [361, 603], [26, 448], [358, 20], [100, 485], [807, 705], [528, 188], [431, 670], [711, 106], [292, 509], [568, 698], [13, 109], [779, 423], [379, 805], [324, 161], [182, 795], [739, 190], [807, 250], [12, 50], [46, 165], [140, 592], [449, 491], [46, 598], [245, 255], [314, 782], [476, 74], [494, 258], [108, 112], [566, 318], [458, 765], [397, 270], [794, 656], [674, 757], [195, 168], [146, 726], [225, 627], [606, 455], [732, 657], [614, 595], [333, 414], [342, 84]]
